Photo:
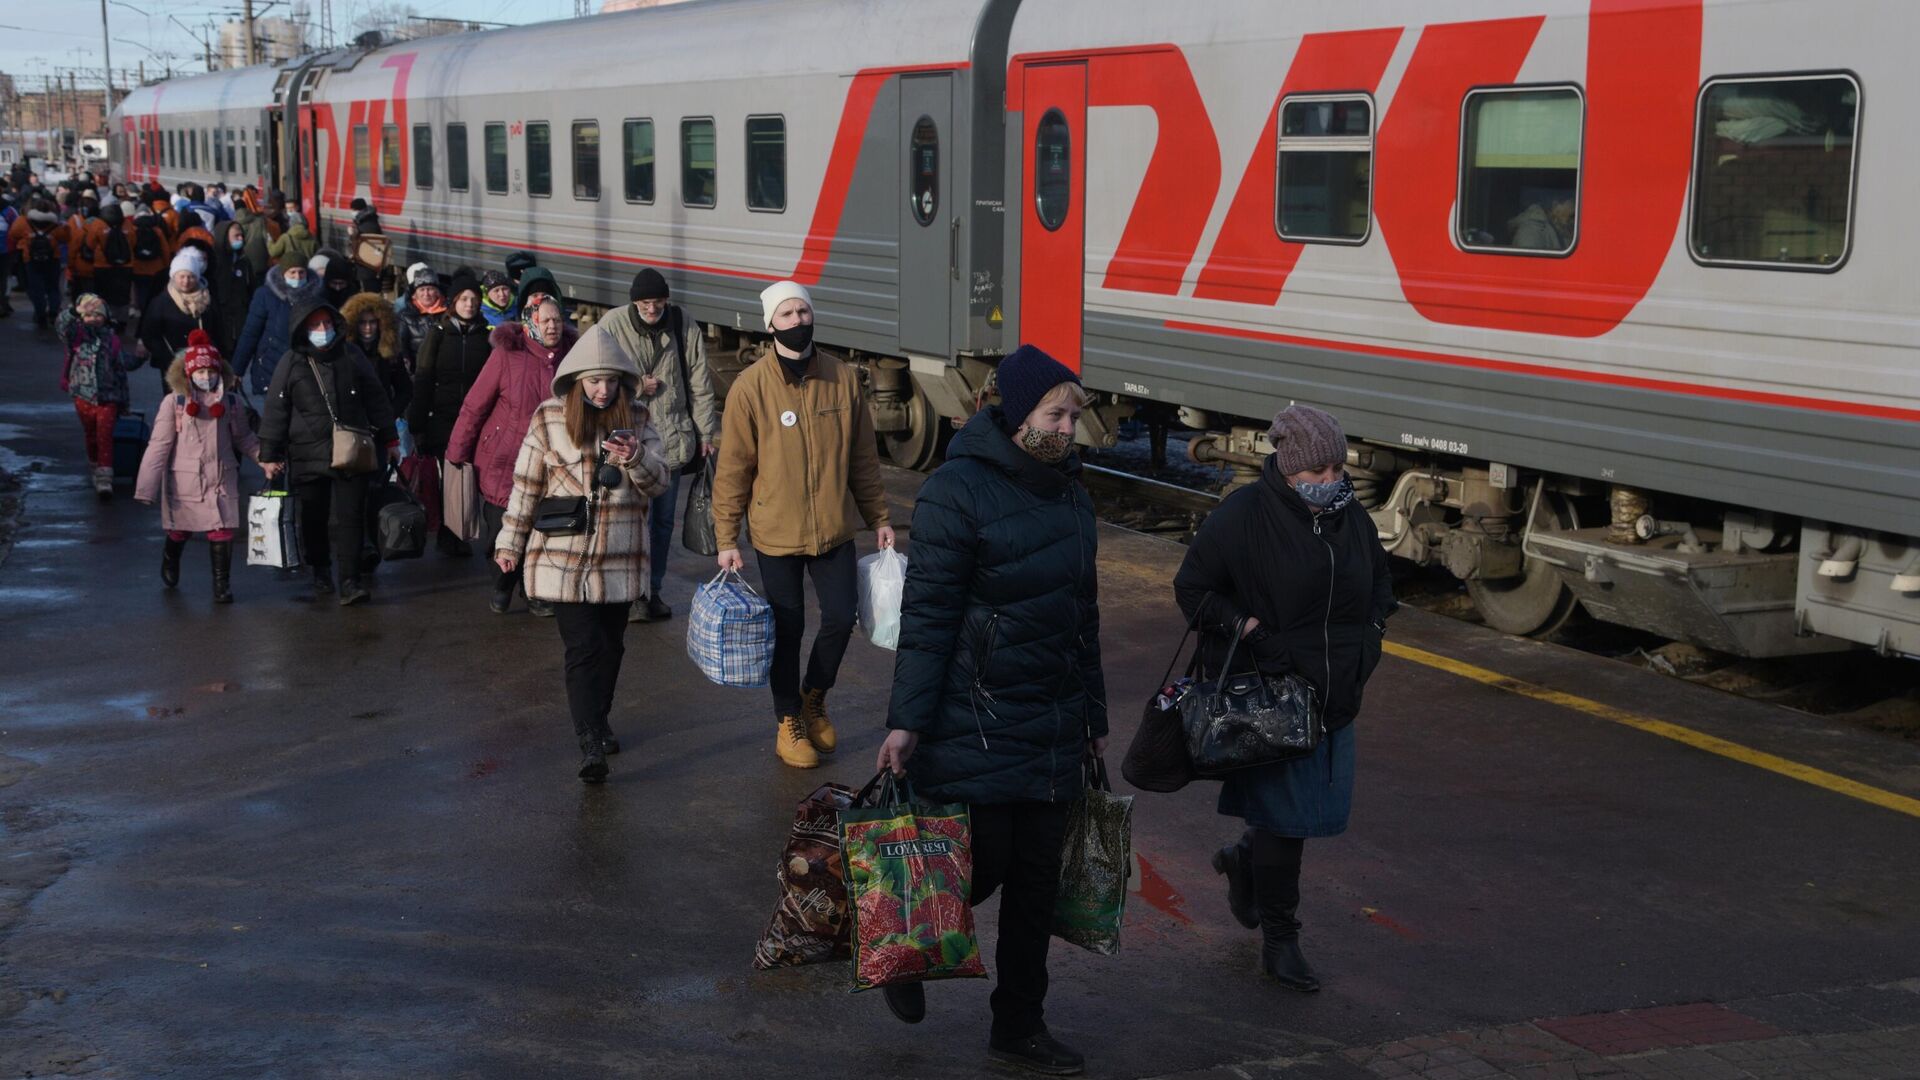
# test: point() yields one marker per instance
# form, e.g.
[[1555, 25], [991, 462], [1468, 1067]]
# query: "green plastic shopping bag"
[[1095, 861], [909, 868]]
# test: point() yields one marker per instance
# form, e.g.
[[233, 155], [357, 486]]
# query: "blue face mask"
[[320, 336], [1324, 495]]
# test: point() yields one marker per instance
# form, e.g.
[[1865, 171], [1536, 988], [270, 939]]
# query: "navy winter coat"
[[999, 662], [263, 341]]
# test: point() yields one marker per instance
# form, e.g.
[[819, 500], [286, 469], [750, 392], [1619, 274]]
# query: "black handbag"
[[696, 525], [565, 515], [1240, 721], [1157, 757]]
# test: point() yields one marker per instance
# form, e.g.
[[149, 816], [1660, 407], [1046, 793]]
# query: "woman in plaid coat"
[[590, 453]]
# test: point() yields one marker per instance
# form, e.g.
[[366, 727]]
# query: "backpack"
[[148, 244], [116, 250], [40, 250]]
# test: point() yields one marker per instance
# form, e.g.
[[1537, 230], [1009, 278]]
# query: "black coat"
[[164, 329], [233, 283], [1320, 587], [999, 662], [450, 360], [296, 426]]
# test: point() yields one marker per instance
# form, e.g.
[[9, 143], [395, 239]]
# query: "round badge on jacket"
[[787, 419]]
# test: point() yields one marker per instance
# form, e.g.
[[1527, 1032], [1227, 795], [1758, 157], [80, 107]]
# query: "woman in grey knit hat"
[[1293, 565]]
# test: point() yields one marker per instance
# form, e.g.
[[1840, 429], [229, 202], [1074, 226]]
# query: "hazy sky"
[[66, 33]]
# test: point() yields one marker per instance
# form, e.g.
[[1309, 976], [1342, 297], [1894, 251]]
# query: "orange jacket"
[[22, 231], [95, 243], [79, 259], [168, 244]]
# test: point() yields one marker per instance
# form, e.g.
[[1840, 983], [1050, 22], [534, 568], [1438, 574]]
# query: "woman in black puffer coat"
[[321, 376], [1294, 564], [455, 349], [997, 691]]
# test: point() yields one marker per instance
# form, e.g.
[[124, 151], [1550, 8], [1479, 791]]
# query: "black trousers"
[[835, 585], [594, 636], [1016, 850], [333, 519], [496, 516]]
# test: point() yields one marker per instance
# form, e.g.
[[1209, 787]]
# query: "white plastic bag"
[[883, 578]]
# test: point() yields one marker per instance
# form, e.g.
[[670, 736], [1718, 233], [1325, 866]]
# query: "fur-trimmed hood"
[[178, 382], [361, 303]]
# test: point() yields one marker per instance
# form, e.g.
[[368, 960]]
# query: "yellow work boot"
[[813, 709], [791, 744]]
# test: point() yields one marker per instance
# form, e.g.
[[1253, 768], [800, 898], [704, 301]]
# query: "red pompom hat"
[[200, 356]]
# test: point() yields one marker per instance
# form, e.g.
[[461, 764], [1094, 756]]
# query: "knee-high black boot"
[[222, 558], [170, 562], [1276, 887], [1236, 862]]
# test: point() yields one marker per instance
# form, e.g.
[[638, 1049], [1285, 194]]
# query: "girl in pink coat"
[[192, 466]]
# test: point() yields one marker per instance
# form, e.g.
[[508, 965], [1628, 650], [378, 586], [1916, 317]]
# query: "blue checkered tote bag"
[[730, 634]]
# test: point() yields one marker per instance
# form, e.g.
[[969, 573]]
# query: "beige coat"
[[683, 424], [802, 485]]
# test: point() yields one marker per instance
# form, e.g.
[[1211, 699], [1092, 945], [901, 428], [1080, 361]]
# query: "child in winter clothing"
[[192, 463], [96, 377]]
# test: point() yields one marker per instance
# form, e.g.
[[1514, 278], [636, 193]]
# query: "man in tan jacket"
[[799, 463]]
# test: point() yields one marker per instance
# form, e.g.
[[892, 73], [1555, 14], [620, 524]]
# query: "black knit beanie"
[[1025, 376], [648, 285]]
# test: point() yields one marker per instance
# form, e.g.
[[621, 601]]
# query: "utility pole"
[[252, 56], [106, 44]]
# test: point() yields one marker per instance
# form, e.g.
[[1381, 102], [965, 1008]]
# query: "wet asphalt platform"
[[284, 839]]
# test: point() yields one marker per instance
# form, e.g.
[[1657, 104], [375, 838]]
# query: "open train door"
[[1053, 233]]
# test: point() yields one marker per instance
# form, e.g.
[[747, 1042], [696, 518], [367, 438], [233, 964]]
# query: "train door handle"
[[953, 251]]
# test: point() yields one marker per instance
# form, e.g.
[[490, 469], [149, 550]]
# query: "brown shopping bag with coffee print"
[[810, 923]]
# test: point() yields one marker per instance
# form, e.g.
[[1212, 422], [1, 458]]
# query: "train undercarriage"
[[1531, 548]]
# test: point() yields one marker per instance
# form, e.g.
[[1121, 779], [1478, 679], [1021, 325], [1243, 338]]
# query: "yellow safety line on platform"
[[1699, 740]]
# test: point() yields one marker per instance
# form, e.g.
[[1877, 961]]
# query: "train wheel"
[[920, 446], [1537, 602]]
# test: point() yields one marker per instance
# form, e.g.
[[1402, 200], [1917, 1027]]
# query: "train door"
[[927, 221], [305, 148], [1053, 247], [268, 165]]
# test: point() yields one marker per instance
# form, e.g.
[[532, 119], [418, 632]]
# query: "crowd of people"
[[575, 442]]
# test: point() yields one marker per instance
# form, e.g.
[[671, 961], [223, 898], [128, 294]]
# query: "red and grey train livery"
[[1616, 298]]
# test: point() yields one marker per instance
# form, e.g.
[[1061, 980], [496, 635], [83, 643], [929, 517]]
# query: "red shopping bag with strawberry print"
[[909, 868]]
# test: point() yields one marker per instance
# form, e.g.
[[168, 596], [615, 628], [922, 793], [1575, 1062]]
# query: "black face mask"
[[797, 338]]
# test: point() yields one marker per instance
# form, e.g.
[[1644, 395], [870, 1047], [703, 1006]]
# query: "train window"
[[923, 164], [260, 150], [636, 137], [193, 149], [1325, 192], [539, 160], [390, 155], [457, 157], [204, 152], [1773, 179], [243, 151], [166, 139], [766, 163], [1520, 170], [495, 150], [1052, 169], [423, 156], [698, 182], [219, 151], [233, 152], [362, 155], [586, 159]]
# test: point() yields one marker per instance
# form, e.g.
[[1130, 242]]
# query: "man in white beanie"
[[797, 446]]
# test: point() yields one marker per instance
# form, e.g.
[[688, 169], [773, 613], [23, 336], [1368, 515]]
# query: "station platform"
[[283, 838]]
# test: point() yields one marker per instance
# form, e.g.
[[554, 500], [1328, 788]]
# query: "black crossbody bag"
[[570, 515]]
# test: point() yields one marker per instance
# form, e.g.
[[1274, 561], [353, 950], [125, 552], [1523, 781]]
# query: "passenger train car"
[[1616, 298]]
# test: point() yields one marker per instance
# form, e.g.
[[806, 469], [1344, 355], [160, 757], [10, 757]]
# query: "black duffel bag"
[[696, 525], [1242, 720], [396, 522]]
